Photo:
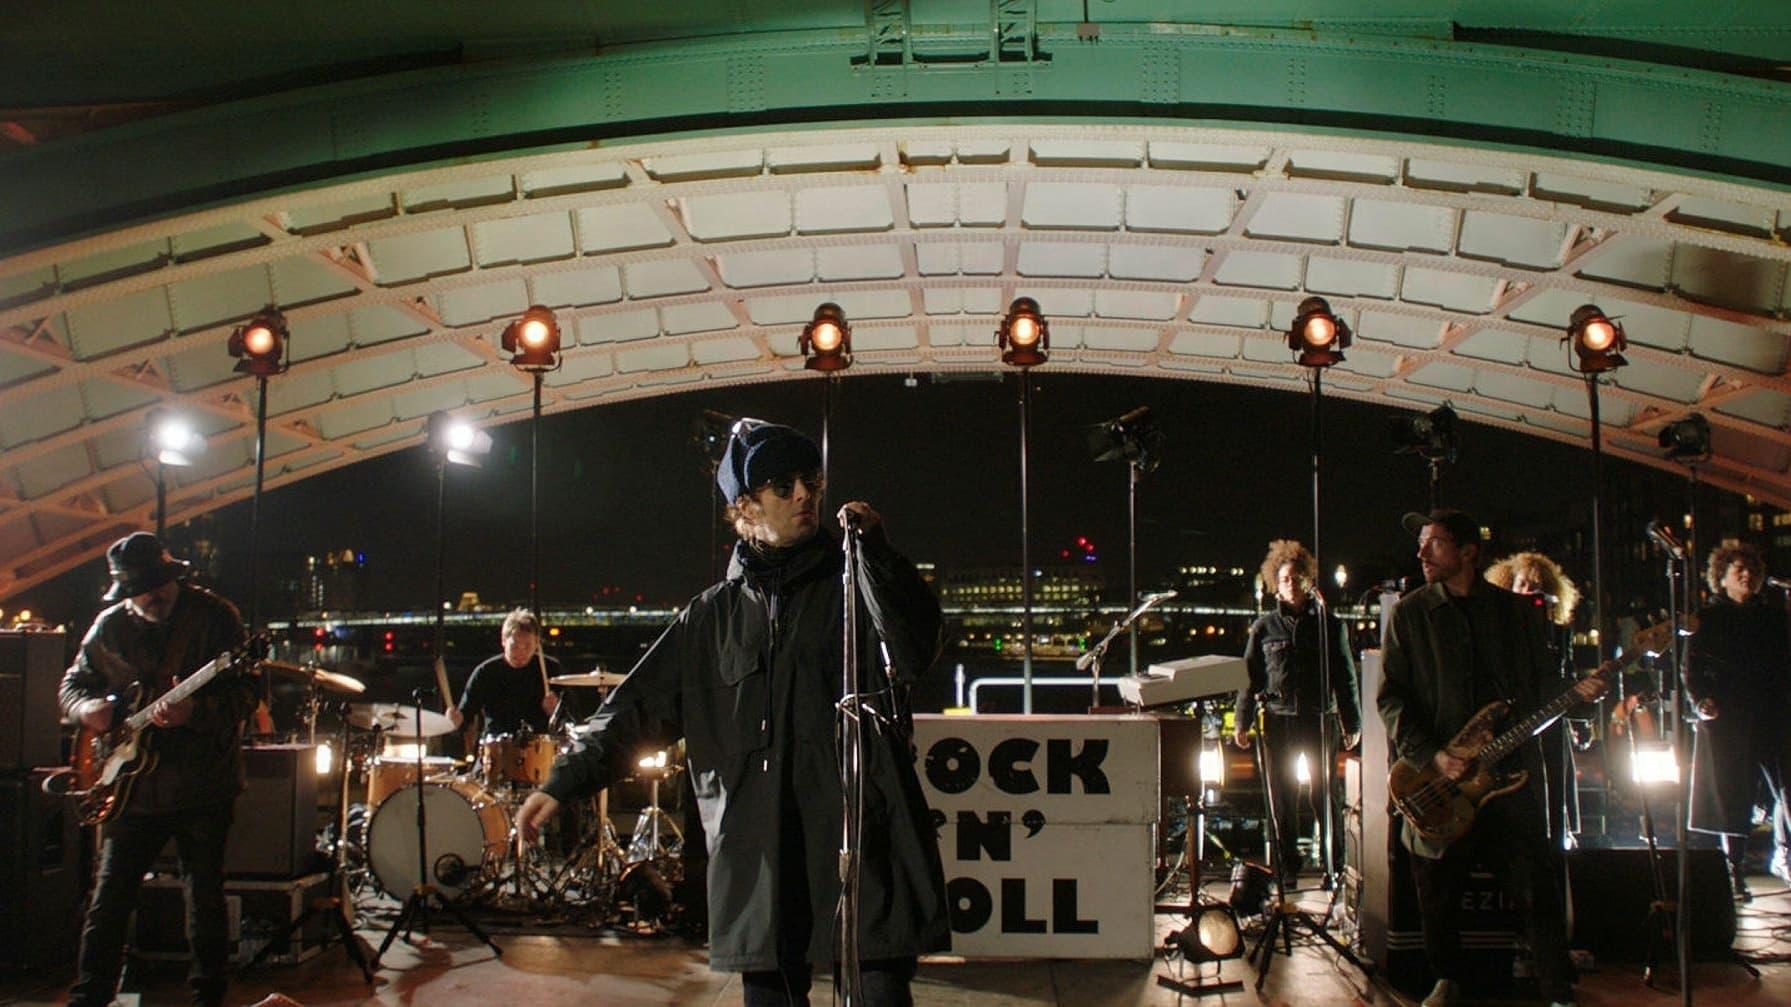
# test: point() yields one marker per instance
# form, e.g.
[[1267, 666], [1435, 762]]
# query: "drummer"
[[508, 694]]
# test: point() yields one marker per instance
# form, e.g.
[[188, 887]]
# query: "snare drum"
[[521, 760], [386, 776], [466, 827]]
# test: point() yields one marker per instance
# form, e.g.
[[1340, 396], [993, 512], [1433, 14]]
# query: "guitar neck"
[[186, 687], [1528, 728]]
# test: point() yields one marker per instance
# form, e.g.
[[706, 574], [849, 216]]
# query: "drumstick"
[[441, 684]]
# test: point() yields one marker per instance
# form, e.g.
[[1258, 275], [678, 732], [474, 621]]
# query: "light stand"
[[1024, 339], [1319, 338], [261, 347], [1135, 439], [826, 347], [709, 436], [533, 342]]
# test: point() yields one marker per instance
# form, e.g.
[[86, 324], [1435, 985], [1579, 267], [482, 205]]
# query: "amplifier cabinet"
[[40, 911], [30, 717]]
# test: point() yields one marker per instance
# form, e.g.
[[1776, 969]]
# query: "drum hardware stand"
[[1284, 917], [644, 844], [335, 905], [417, 904]]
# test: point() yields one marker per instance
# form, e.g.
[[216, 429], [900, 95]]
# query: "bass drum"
[[468, 831]]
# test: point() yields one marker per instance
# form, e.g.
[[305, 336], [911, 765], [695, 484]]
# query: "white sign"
[[1046, 828]]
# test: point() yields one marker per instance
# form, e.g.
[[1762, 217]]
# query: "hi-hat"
[[398, 720], [332, 680], [604, 679]]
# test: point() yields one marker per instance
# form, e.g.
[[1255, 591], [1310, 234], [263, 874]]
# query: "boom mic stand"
[[417, 905], [1092, 658], [1285, 917]]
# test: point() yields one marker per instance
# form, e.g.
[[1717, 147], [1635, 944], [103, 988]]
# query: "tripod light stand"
[[1318, 338]]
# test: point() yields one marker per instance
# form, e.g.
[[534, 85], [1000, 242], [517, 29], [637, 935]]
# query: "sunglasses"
[[785, 485]]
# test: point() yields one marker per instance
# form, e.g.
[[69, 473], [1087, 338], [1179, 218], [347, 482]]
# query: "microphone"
[[1152, 599], [1663, 537], [1779, 582]]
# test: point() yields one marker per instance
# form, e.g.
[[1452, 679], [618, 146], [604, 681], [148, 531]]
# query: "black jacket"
[[199, 763], [1281, 656], [749, 675], [1739, 659], [1428, 688]]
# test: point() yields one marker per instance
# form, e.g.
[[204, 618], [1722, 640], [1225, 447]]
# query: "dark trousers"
[[886, 984], [1510, 838], [128, 847], [1297, 807]]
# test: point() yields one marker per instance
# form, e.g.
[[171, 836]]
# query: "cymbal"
[[332, 680], [398, 720], [603, 679]]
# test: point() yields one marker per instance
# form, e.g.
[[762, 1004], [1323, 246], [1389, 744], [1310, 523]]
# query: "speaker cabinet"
[[274, 832], [40, 914], [30, 718], [1613, 889]]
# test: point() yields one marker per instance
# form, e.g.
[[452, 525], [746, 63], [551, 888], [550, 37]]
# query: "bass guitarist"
[[159, 630], [1455, 645]]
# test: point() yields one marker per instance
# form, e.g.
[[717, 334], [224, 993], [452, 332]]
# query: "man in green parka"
[[749, 675]]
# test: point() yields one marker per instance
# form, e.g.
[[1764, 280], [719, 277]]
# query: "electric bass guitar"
[[107, 763], [1442, 810]]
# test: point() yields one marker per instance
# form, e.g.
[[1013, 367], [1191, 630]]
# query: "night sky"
[[626, 496]]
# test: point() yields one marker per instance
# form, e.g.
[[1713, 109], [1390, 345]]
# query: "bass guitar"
[[107, 763], [1442, 810]]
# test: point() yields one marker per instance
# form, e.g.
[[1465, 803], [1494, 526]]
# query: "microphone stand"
[[417, 905], [1092, 658], [848, 976]]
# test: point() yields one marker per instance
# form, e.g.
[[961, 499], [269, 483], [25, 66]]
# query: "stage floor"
[[451, 967]]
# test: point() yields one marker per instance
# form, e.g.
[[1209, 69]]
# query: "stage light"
[[654, 761], [325, 759], [1302, 770], [260, 344], [1212, 935], [1318, 335], [1430, 435], [173, 438], [826, 341], [1598, 341], [1341, 576], [1211, 764], [533, 340], [1654, 763], [1024, 336], [457, 440], [1688, 438]]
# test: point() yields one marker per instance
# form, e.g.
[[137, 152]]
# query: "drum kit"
[[476, 856]]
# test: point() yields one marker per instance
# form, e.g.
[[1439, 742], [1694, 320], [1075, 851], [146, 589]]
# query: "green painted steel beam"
[[1681, 120]]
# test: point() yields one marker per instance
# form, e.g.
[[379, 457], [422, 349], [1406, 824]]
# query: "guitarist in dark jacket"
[[159, 630], [1455, 645]]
